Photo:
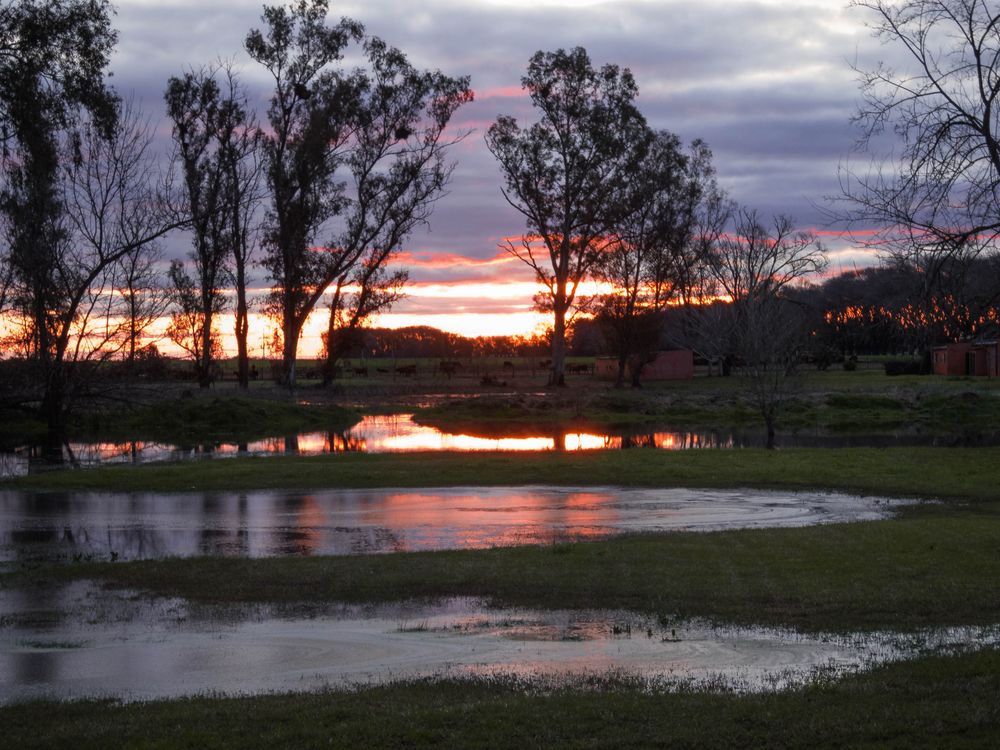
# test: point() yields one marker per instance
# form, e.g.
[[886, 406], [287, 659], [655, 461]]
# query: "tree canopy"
[[354, 159]]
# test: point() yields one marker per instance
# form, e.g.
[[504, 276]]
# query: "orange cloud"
[[500, 92], [435, 259]]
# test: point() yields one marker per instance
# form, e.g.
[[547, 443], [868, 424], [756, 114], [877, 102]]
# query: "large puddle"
[[399, 433], [82, 641], [57, 526]]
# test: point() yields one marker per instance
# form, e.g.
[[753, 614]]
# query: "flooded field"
[[60, 526], [399, 433], [82, 641]]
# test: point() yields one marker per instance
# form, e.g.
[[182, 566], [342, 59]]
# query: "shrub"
[[904, 367]]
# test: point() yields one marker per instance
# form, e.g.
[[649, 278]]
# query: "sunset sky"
[[767, 84]]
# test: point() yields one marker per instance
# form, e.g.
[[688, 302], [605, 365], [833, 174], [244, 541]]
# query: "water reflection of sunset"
[[483, 519], [393, 433], [310, 521], [136, 526]]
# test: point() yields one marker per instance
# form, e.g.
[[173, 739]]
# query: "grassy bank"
[[929, 472], [851, 403], [936, 566], [198, 418], [208, 418], [935, 702]]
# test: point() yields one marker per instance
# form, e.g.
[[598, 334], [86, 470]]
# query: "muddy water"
[[399, 433], [77, 526], [81, 641]]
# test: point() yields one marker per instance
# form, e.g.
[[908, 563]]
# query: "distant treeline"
[[425, 341]]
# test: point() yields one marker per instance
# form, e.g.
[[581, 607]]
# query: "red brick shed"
[[673, 365], [967, 358]]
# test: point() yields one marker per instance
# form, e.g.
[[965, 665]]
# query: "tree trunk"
[[205, 366], [52, 406], [329, 367], [54, 413], [771, 445], [557, 377], [242, 331], [332, 347], [289, 352], [132, 335], [637, 367], [620, 379]]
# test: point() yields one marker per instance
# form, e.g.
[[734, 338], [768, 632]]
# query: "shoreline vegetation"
[[836, 402], [192, 418]]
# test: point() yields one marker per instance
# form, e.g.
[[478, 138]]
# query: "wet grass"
[[935, 701], [928, 472], [935, 566], [958, 407]]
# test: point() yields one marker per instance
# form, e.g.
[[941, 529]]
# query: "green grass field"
[[928, 472], [931, 702], [935, 565]]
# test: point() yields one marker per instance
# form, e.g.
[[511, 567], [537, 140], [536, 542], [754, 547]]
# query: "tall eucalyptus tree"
[[354, 159], [568, 173], [216, 152]]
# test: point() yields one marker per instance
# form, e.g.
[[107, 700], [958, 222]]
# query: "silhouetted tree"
[[139, 282], [364, 147], [52, 59], [357, 296], [702, 321], [934, 200], [215, 141], [241, 157], [649, 260], [754, 265], [107, 210], [189, 324], [567, 174]]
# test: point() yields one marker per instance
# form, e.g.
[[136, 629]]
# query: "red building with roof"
[[967, 358]]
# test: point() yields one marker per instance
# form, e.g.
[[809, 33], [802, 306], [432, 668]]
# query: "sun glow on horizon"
[[475, 308]]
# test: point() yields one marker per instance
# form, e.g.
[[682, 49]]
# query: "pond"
[[68, 526], [78, 641], [397, 433]]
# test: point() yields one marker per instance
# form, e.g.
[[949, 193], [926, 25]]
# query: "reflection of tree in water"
[[76, 541], [345, 442], [559, 436], [243, 532], [366, 540], [67, 526], [638, 441]]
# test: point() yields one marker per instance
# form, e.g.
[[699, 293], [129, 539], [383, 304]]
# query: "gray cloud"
[[767, 84]]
